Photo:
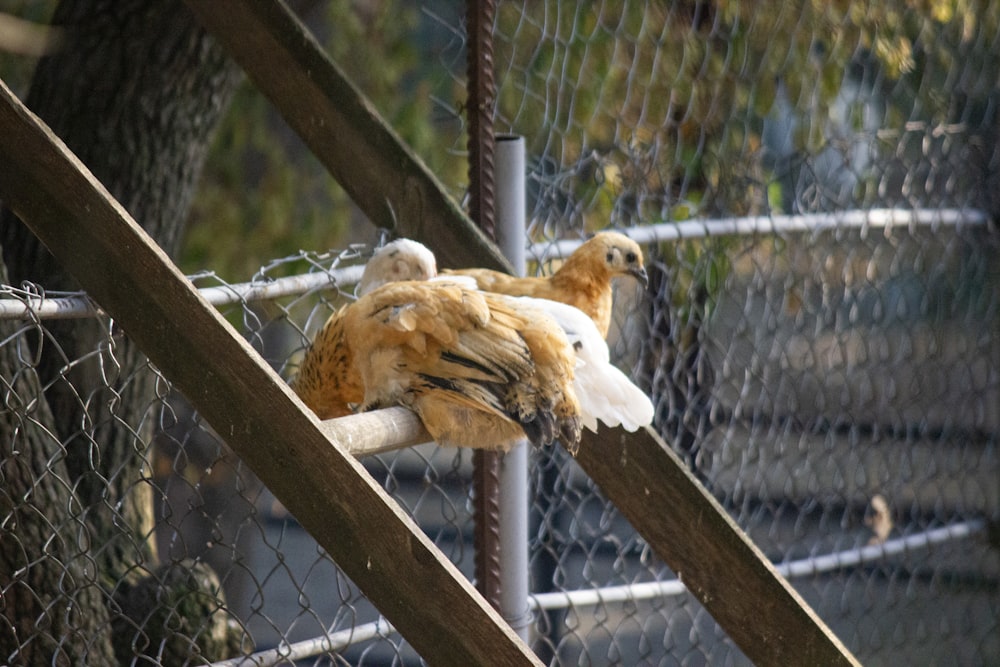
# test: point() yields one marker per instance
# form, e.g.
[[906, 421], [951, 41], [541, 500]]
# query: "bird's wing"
[[603, 391], [492, 281], [571, 284], [460, 358], [327, 381]]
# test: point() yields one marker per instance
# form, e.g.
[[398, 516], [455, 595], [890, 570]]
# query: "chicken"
[[561, 342], [402, 259], [326, 382], [478, 372], [604, 392], [583, 281]]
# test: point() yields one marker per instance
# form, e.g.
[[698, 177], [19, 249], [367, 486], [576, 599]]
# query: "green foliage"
[[646, 112], [265, 196], [670, 99]]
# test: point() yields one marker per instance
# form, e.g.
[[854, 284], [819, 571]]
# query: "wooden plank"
[[367, 534], [341, 126], [717, 562]]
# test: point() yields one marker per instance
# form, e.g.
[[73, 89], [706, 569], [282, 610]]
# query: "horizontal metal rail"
[[776, 224], [285, 653], [18, 303], [804, 567]]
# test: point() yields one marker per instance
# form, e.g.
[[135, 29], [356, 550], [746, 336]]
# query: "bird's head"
[[621, 255], [403, 259]]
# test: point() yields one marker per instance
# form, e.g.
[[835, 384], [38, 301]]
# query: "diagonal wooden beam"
[[383, 176], [715, 559], [411, 582], [682, 523]]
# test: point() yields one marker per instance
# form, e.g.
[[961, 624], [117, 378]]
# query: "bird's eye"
[[630, 258], [610, 258]]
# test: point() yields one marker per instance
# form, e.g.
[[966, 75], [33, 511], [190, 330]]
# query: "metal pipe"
[[22, 304], [877, 218], [18, 304], [334, 642], [510, 228]]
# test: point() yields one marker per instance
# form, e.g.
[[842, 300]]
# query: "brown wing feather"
[[327, 381], [478, 372]]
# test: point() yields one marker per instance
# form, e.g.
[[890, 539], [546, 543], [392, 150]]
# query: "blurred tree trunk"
[[135, 93], [51, 611]]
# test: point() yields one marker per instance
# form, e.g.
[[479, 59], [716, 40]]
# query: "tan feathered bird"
[[330, 382], [583, 281], [327, 381], [478, 372]]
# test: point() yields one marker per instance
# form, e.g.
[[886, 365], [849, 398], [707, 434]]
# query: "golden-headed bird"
[[465, 373], [583, 280]]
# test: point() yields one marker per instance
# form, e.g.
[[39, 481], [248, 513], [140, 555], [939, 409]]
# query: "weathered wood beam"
[[684, 525], [383, 176], [715, 559], [411, 582]]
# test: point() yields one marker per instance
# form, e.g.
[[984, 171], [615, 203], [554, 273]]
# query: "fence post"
[[509, 172]]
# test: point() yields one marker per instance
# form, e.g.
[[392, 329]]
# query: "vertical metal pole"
[[481, 94], [510, 227]]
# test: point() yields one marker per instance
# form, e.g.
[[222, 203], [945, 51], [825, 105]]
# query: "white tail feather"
[[604, 392]]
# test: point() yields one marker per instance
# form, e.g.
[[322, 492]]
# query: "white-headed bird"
[[326, 380], [583, 280], [481, 369]]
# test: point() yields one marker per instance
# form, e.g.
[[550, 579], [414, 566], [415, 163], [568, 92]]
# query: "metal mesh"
[[210, 517], [828, 369], [836, 393]]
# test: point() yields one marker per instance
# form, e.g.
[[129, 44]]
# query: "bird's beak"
[[640, 275]]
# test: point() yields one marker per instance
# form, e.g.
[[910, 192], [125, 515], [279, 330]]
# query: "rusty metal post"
[[481, 97]]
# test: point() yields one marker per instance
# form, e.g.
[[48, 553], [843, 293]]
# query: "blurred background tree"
[[263, 186], [790, 88], [750, 103]]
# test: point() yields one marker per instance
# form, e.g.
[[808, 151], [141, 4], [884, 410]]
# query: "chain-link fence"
[[828, 368]]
